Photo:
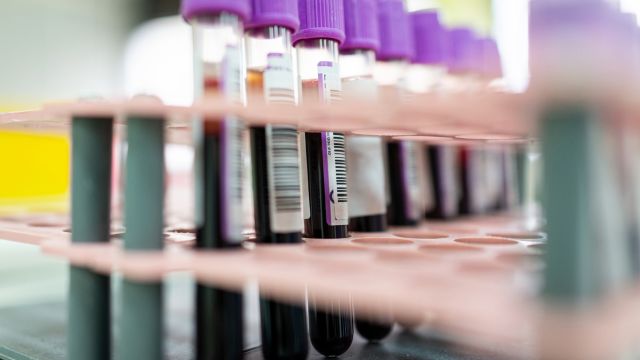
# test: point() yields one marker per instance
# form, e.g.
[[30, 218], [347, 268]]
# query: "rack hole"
[[485, 241], [421, 234], [449, 248], [382, 241]]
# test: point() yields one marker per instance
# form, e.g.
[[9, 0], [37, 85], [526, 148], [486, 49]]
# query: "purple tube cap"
[[320, 19], [491, 62], [429, 38], [274, 13], [394, 30], [361, 25], [192, 8], [459, 50]]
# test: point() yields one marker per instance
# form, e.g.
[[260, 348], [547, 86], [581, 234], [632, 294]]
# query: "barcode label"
[[306, 208], [329, 83], [284, 178], [335, 178], [366, 176], [410, 180], [232, 178], [279, 81], [365, 158], [232, 79]]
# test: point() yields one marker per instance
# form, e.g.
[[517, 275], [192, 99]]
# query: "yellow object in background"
[[476, 14], [35, 171]]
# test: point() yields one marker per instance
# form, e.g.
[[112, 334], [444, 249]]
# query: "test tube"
[[365, 159], [325, 181], [409, 198], [474, 159], [396, 48], [444, 159], [514, 166], [366, 176], [325, 195], [275, 164], [219, 67]]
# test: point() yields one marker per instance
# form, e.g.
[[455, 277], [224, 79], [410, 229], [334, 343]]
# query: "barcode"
[[340, 160], [232, 78], [335, 178], [232, 179], [286, 180], [235, 166], [279, 95]]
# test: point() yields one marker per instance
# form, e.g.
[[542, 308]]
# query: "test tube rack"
[[478, 278]]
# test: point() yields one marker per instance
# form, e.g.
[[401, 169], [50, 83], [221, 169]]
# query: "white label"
[[282, 149], [231, 149], [306, 210], [329, 84], [365, 159], [233, 82], [448, 172], [335, 178], [410, 180], [231, 179], [387, 181], [366, 176], [284, 178], [279, 80]]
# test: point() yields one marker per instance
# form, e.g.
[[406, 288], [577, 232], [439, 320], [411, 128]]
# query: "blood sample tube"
[[392, 57], [325, 179], [219, 67], [444, 159], [485, 170], [492, 80], [366, 177], [324, 155], [275, 164], [365, 154], [471, 157], [408, 192]]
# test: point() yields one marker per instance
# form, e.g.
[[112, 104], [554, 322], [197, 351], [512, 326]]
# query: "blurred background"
[[67, 49]]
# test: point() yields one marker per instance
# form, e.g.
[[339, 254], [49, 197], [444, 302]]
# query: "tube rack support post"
[[566, 139], [140, 324], [89, 310]]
